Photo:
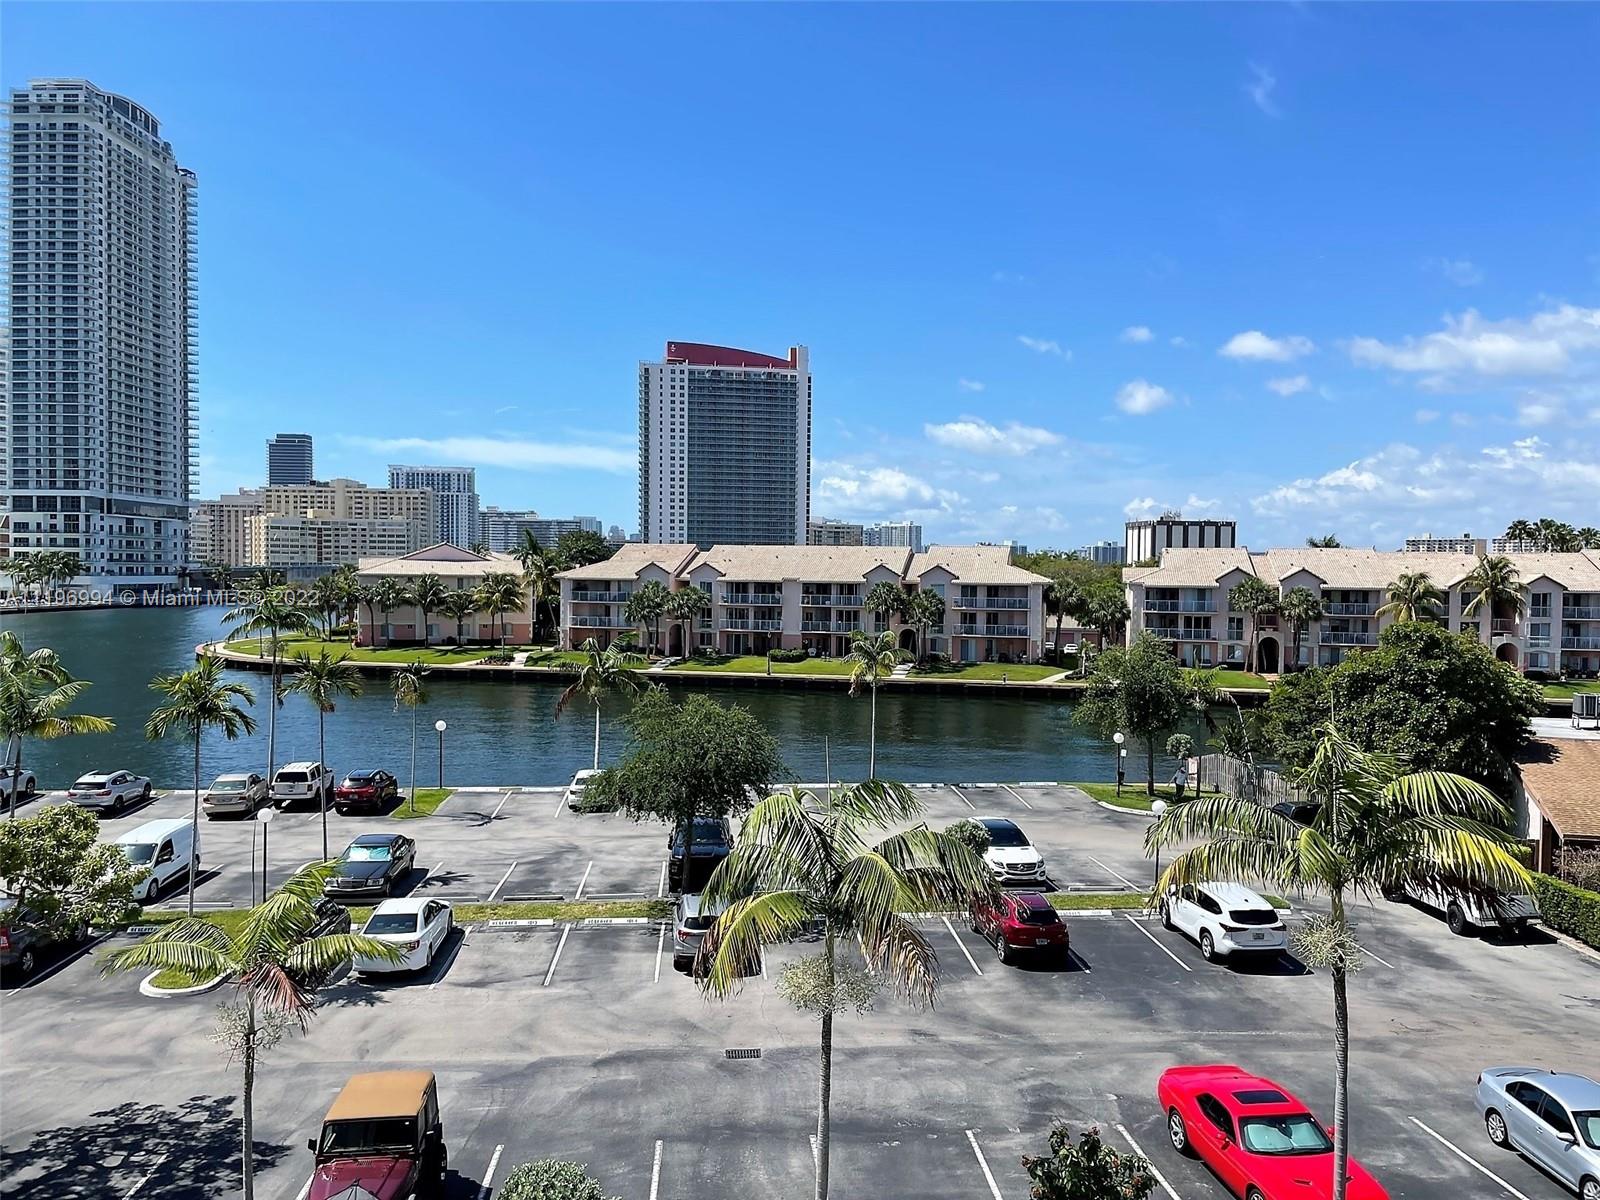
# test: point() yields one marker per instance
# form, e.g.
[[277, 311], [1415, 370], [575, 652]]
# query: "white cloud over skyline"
[[1255, 346]]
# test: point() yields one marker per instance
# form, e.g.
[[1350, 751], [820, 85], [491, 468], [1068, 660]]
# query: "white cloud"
[[1260, 88], [1141, 506], [1044, 345], [515, 453], [1538, 411], [505, 408], [1469, 345], [970, 385], [1289, 386], [1258, 347], [1182, 343], [876, 490], [1426, 416], [1459, 271], [1136, 333], [980, 437], [1140, 396]]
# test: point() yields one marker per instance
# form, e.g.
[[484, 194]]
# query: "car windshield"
[[1298, 1133], [388, 1133], [228, 785], [706, 833], [391, 923], [139, 853], [1006, 835], [1589, 1127], [367, 854]]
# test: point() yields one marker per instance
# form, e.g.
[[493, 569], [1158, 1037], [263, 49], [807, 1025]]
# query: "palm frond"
[[736, 938], [898, 952]]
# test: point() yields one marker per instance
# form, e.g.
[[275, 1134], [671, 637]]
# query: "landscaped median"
[[424, 804]]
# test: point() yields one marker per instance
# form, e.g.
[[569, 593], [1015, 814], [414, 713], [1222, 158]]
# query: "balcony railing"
[[1580, 614], [1344, 608], [1344, 637], [992, 630], [756, 599], [1181, 606], [1580, 643], [602, 597], [824, 600], [990, 602], [749, 623], [1502, 627], [1538, 643], [598, 623]]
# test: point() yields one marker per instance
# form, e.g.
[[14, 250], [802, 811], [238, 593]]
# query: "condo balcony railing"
[[1580, 643], [758, 599], [1345, 637], [749, 623], [1576, 613], [990, 602], [1538, 643], [1502, 626], [1343, 608], [992, 630], [1180, 606], [825, 600], [598, 623], [591, 597]]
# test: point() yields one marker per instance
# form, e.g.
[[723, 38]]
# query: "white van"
[[162, 847]]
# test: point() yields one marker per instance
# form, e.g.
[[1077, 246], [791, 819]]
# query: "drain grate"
[[742, 1052]]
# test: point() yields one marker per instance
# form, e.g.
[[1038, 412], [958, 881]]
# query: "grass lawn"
[[289, 647], [549, 656], [428, 800], [1133, 794], [1241, 679], [756, 664], [1565, 691], [1021, 672]]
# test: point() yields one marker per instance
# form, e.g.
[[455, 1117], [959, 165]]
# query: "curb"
[[147, 987], [1124, 812]]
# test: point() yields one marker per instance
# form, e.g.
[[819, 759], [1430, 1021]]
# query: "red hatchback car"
[[1257, 1138], [1021, 923]]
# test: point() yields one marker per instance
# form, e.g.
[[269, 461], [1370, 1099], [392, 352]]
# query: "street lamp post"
[[1158, 807], [440, 727], [265, 817], [1117, 759]]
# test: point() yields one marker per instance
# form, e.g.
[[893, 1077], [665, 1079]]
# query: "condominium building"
[[220, 530], [459, 571], [1511, 545], [894, 533], [828, 532], [101, 410], [761, 598], [501, 530], [1186, 601], [293, 540], [1143, 541], [376, 520], [290, 459], [457, 492], [1428, 544], [1106, 553], [724, 446]]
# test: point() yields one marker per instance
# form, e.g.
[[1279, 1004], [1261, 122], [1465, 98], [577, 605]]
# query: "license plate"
[[1041, 941], [1258, 937]]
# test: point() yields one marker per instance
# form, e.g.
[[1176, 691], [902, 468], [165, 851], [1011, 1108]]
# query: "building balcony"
[[598, 623], [1350, 609], [1502, 627], [1345, 637], [1180, 606], [1538, 643], [990, 602], [1580, 643], [754, 599], [825, 600], [1579, 614], [750, 623], [587, 597], [992, 631]]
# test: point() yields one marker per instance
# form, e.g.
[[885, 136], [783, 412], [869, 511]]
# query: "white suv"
[[1010, 856], [1225, 919], [302, 781]]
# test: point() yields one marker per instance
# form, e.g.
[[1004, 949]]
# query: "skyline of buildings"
[[1144, 540], [457, 491], [501, 529], [290, 459], [333, 523]]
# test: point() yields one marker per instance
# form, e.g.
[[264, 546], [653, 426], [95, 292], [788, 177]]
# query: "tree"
[[1063, 598], [429, 594], [1255, 598], [390, 595], [925, 610], [1137, 690], [694, 759], [1588, 538], [1106, 612], [646, 607], [1303, 608], [498, 593], [549, 1179], [885, 600], [1326, 541], [56, 866], [1437, 698], [35, 691], [871, 658], [274, 964], [331, 596], [324, 680], [197, 700], [410, 691], [458, 606], [539, 569], [365, 595], [1522, 530], [684, 607], [1492, 584], [580, 547], [610, 670], [1412, 597], [805, 861], [1087, 1169], [481, 549], [272, 612], [1380, 828], [1556, 536]]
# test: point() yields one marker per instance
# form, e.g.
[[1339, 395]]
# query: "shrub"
[[1581, 868], [1575, 911], [1087, 1169], [498, 659], [973, 835], [550, 1179], [797, 655]]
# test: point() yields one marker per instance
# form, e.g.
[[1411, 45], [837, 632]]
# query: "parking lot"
[[581, 1041]]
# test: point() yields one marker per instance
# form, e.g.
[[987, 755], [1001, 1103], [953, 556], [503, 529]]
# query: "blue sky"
[[1316, 268]]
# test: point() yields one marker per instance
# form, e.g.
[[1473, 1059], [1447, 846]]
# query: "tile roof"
[[1563, 779], [458, 563], [633, 557], [974, 564], [823, 564], [1348, 567]]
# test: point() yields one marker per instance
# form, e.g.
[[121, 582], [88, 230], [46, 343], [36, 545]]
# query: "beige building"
[[1185, 600], [828, 532], [460, 571], [344, 519], [278, 540], [786, 597]]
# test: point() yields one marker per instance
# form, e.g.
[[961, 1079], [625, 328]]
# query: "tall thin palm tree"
[[458, 606], [330, 595], [324, 680], [197, 700], [613, 669], [1588, 538], [804, 860], [498, 593], [539, 570], [646, 607], [389, 595], [1379, 829], [885, 600], [1255, 598], [35, 691], [1492, 584], [1303, 608], [411, 691], [1522, 530], [925, 609], [1412, 597], [275, 964], [871, 658], [684, 607], [271, 614], [429, 595], [365, 595], [1063, 598]]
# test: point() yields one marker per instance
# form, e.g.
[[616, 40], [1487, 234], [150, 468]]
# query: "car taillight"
[[103, 792], [1227, 928], [5, 939]]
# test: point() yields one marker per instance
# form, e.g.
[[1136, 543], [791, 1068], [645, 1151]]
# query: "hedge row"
[[1573, 910]]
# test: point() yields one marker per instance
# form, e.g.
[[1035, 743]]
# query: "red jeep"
[[383, 1137]]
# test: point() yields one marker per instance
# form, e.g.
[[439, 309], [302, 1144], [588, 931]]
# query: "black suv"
[[712, 842]]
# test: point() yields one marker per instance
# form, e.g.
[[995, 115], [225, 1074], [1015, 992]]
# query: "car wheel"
[[1457, 920], [1208, 947], [152, 890], [145, 794], [1178, 1133], [1495, 1126], [1002, 950], [26, 962], [1166, 915], [1589, 1189], [1254, 1194]]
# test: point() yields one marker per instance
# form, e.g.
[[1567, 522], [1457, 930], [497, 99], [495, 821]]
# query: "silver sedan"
[[1551, 1117]]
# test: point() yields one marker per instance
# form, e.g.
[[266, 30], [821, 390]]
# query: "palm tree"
[[1412, 597], [1522, 530], [410, 691], [925, 610], [804, 860], [646, 607], [1556, 536], [1063, 598], [500, 592], [1106, 611], [1379, 829], [684, 607], [323, 680], [1303, 608], [365, 595], [1326, 541], [885, 600], [539, 569], [35, 689], [1588, 538], [272, 612], [608, 670], [428, 594], [1255, 598], [330, 595], [458, 606], [199, 699], [871, 658], [274, 964], [389, 595], [1492, 584]]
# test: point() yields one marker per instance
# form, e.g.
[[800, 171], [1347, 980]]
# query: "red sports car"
[[1258, 1139]]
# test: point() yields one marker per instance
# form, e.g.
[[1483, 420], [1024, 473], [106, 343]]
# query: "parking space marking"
[[502, 882], [1384, 961], [983, 1165], [964, 800], [661, 888], [450, 962], [1466, 1158], [154, 1167], [556, 957], [1154, 942], [972, 962], [661, 950], [561, 802], [655, 1172], [584, 880], [429, 874], [1160, 1178], [501, 805], [76, 956], [488, 1174], [1109, 871], [1023, 801]]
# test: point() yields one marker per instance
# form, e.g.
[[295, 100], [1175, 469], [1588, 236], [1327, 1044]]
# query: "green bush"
[[969, 832], [550, 1179], [1573, 910], [797, 655]]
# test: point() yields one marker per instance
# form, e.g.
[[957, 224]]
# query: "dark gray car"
[[24, 939]]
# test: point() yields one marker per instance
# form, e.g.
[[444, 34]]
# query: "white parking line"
[[983, 1165], [1161, 1179], [972, 962], [1109, 871], [1025, 804], [1466, 1158], [1158, 945], [655, 1172], [501, 805], [561, 802], [964, 800], [502, 882], [154, 1167], [584, 880], [556, 957], [1384, 961], [488, 1175], [304, 1188], [661, 950], [67, 962], [661, 888], [431, 872]]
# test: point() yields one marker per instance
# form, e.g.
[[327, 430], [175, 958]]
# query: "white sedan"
[[418, 929], [1225, 919]]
